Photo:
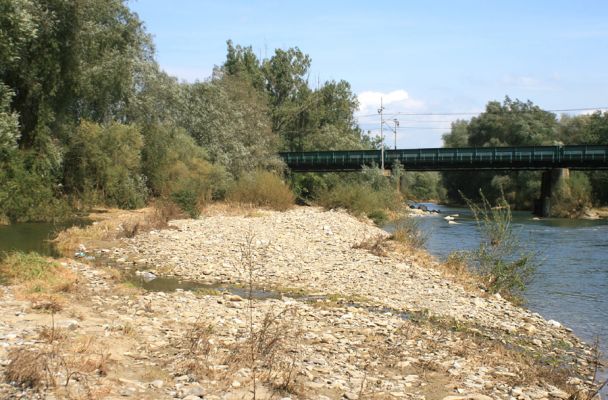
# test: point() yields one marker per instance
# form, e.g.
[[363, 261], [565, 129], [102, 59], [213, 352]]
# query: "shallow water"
[[28, 237], [571, 282]]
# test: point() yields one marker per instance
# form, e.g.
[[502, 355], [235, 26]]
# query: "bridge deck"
[[581, 157]]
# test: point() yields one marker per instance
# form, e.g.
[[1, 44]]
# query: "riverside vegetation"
[[88, 118]]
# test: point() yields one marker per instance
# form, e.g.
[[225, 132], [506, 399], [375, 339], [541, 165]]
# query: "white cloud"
[[188, 74], [395, 101]]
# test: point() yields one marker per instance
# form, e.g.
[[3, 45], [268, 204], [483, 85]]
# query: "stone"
[[474, 396], [559, 394], [193, 390], [157, 383]]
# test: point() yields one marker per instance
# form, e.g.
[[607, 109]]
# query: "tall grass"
[[262, 189]]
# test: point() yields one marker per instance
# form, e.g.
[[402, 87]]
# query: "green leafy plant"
[[503, 262]]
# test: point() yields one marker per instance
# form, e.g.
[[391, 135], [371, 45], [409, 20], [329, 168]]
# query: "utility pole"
[[396, 122], [381, 111]]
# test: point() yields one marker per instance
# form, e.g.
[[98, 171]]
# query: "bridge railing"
[[461, 158]]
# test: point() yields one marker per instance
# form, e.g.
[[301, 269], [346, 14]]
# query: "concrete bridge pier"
[[551, 180]]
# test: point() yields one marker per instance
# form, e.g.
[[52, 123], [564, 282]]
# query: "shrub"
[[104, 163], [408, 231], [360, 199], [187, 201], [262, 188], [28, 195], [503, 262], [571, 196]]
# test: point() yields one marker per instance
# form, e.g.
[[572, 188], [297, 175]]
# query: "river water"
[[36, 237], [571, 282]]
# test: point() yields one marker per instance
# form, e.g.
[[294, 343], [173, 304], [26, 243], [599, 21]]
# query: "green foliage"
[[421, 186], [9, 123], [188, 201], [304, 119], [572, 196], [103, 162], [262, 188], [230, 119], [26, 195], [173, 162], [515, 123], [369, 194], [501, 259]]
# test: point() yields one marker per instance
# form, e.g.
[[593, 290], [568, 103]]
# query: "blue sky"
[[421, 57]]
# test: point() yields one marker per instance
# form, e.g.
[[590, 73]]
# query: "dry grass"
[[271, 351], [57, 361], [37, 278], [27, 368], [375, 244], [407, 231], [113, 224]]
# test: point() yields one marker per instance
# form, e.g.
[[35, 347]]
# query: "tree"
[[9, 124], [512, 123], [230, 119], [103, 164]]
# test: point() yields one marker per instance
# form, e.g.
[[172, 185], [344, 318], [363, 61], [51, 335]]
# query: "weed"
[[375, 244], [408, 231], [27, 368], [361, 199], [501, 260], [36, 274]]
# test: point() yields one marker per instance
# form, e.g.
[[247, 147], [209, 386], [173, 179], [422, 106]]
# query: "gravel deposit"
[[344, 323]]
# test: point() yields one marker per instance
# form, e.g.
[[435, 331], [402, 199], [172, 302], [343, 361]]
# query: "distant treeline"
[[87, 116], [516, 123]]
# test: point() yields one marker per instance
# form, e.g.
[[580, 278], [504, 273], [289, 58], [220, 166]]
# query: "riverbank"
[[339, 311]]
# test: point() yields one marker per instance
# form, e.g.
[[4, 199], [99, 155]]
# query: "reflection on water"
[[571, 283], [36, 237]]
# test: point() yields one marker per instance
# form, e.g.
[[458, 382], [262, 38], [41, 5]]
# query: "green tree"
[[229, 118], [511, 123], [103, 164], [9, 124]]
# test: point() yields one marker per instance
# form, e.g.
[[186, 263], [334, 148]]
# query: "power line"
[[477, 113]]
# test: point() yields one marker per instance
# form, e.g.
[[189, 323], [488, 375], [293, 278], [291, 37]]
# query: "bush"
[[505, 265], [360, 199], [187, 201], [26, 195], [572, 196], [408, 231], [262, 188], [103, 163]]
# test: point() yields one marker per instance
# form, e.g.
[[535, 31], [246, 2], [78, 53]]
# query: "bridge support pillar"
[[550, 181]]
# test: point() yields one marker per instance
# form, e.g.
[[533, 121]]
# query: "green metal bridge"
[[576, 157]]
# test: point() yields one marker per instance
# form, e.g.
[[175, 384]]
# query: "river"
[[33, 236], [571, 282]]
